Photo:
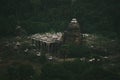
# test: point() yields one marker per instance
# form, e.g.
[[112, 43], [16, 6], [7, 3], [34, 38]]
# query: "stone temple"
[[72, 34], [47, 42], [50, 42]]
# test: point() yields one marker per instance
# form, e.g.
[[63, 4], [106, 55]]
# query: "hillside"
[[101, 17], [24, 56]]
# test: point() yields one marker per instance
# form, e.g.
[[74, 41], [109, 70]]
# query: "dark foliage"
[[76, 71], [19, 71], [95, 16]]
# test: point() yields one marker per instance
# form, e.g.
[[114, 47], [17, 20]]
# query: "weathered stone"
[[72, 34]]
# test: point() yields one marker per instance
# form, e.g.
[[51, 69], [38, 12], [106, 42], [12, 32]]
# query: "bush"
[[20, 72]]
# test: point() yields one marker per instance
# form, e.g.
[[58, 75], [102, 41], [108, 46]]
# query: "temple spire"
[[72, 34]]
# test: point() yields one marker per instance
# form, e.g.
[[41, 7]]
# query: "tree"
[[20, 72], [36, 5]]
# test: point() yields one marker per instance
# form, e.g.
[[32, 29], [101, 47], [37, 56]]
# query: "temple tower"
[[72, 33]]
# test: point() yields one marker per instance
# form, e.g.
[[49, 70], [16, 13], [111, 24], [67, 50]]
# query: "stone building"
[[47, 42], [72, 33], [51, 42]]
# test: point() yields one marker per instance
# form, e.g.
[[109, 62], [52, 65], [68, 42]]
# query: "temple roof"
[[73, 24], [48, 37]]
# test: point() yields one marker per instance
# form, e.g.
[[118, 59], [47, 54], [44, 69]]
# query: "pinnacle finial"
[[74, 20]]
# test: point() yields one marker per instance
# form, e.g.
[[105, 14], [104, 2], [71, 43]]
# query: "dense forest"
[[100, 17], [96, 58]]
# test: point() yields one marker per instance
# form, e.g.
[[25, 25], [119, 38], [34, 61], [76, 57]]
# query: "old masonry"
[[50, 42]]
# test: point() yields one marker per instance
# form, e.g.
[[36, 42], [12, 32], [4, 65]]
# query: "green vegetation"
[[74, 62], [95, 16], [98, 18], [77, 71]]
